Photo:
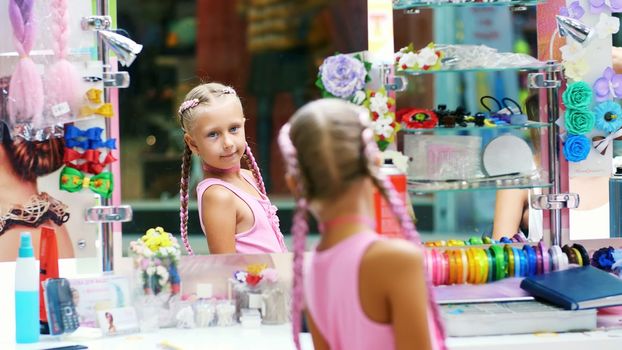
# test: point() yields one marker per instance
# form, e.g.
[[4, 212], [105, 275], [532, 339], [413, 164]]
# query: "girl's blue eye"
[[234, 129], [212, 134]]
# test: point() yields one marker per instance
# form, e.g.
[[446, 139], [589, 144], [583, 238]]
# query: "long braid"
[[183, 198], [300, 227], [254, 168], [399, 210]]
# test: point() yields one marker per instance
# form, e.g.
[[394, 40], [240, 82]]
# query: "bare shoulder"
[[395, 255], [218, 195]]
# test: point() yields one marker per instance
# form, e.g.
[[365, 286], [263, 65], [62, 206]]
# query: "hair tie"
[[188, 104]]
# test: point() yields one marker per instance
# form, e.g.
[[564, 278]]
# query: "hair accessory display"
[[188, 104], [26, 87], [39, 209], [91, 160], [105, 110], [73, 180], [597, 6], [574, 10], [608, 86], [344, 76], [576, 148], [608, 116], [62, 80], [94, 95]]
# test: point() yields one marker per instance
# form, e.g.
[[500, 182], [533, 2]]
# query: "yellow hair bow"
[[94, 95], [104, 110]]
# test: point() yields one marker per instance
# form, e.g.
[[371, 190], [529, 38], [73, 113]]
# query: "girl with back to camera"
[[235, 213], [361, 291]]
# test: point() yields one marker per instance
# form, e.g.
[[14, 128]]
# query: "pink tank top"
[[264, 236], [331, 283]]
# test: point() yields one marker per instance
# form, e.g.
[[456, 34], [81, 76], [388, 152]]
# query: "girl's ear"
[[190, 142]]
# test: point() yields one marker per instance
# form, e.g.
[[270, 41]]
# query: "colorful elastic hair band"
[[444, 268], [475, 241], [465, 266], [563, 261], [555, 252], [531, 260], [457, 267], [186, 105], [572, 257], [524, 266], [546, 258], [451, 267], [517, 262], [585, 257], [509, 260], [471, 263], [488, 240], [578, 256], [491, 266], [499, 261], [437, 268], [539, 264], [483, 265], [455, 243]]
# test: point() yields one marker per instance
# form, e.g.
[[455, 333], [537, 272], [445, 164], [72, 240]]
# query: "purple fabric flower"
[[597, 6], [343, 75], [575, 10], [608, 86]]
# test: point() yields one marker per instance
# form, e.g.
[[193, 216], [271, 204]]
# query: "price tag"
[[60, 109]]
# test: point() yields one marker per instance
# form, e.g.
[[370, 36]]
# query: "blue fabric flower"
[[608, 116], [576, 148], [603, 258]]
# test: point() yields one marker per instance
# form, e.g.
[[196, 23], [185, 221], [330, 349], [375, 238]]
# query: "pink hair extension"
[[62, 82], [183, 199], [252, 164], [300, 228], [26, 87]]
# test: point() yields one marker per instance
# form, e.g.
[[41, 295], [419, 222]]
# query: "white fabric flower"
[[378, 104], [575, 70], [426, 57], [359, 97], [607, 25], [408, 59], [572, 51], [381, 127]]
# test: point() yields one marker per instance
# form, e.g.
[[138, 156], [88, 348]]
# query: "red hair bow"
[[88, 161]]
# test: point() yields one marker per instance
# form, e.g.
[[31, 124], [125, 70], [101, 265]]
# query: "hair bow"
[[104, 110], [601, 143], [91, 162], [73, 180], [72, 132], [110, 144]]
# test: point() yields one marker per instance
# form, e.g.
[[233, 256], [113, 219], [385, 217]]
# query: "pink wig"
[[62, 82], [26, 87]]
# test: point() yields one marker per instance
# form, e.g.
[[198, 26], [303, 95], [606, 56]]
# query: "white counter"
[[273, 337]]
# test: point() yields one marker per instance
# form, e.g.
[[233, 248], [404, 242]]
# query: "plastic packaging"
[[26, 293]]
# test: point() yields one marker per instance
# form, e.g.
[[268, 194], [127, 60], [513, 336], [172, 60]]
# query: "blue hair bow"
[[72, 132]]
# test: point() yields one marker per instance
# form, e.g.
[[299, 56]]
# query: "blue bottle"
[[615, 204], [26, 293]]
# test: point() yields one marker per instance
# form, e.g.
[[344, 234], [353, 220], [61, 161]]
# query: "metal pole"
[[106, 227], [554, 168]]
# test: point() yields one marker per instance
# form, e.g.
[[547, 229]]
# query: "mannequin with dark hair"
[[22, 206]]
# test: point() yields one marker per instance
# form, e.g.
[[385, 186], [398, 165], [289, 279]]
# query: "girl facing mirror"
[[234, 210], [360, 291]]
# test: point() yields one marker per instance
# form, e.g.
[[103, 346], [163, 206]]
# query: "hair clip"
[[92, 79], [94, 95], [414, 118], [104, 110], [186, 105], [73, 180], [73, 132], [91, 163]]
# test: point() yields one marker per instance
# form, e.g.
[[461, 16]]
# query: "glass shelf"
[[457, 70], [413, 4], [471, 127], [501, 183]]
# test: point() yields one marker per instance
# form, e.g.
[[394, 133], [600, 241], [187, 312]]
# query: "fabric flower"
[[240, 276], [579, 121], [343, 75], [407, 60], [608, 86], [608, 116], [575, 70], [597, 6], [252, 280], [575, 10], [576, 148], [379, 103], [572, 51], [383, 127], [603, 258], [607, 25], [577, 95], [426, 57]]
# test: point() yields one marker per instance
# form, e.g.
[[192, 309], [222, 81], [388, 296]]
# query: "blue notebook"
[[576, 289]]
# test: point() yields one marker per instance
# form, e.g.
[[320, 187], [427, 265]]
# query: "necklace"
[[214, 170], [346, 219]]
